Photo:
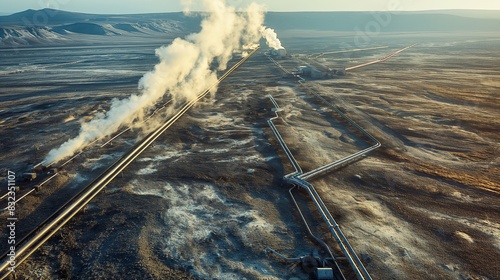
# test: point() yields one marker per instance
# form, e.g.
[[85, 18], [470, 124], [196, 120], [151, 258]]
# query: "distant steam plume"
[[183, 71], [271, 38]]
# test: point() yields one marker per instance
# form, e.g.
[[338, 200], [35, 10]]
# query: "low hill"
[[82, 28], [55, 27]]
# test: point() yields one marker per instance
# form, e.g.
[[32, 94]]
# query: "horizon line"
[[302, 11]]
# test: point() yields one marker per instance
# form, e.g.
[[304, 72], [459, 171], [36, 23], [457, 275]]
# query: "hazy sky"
[[148, 6]]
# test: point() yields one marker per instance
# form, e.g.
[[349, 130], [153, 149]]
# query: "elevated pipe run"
[[40, 237], [346, 51], [288, 153], [109, 141], [29, 192], [345, 246], [349, 158], [277, 64], [130, 127], [328, 167], [321, 242], [269, 250], [298, 178], [116, 136], [19, 199], [380, 59]]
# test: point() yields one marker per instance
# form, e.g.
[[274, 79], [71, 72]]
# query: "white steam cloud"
[[271, 38], [183, 71]]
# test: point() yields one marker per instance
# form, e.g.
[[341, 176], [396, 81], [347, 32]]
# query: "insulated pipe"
[[321, 242], [345, 246], [329, 166], [288, 153], [380, 59], [269, 250], [313, 236], [299, 179]]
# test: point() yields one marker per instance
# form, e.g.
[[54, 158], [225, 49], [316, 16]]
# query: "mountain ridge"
[[50, 26]]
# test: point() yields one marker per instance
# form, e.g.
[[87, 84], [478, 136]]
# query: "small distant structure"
[[315, 73], [39, 168], [29, 176], [304, 70], [279, 54]]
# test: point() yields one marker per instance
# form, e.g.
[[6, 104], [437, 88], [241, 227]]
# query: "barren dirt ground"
[[208, 197], [426, 204]]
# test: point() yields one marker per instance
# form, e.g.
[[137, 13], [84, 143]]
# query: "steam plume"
[[183, 71], [271, 38]]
